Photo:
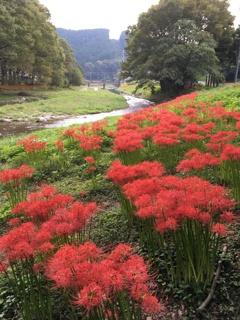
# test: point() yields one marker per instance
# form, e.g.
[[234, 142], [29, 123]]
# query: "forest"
[[31, 52], [99, 56]]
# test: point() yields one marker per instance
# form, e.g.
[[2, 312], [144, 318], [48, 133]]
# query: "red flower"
[[90, 296], [139, 291], [197, 160], [135, 270], [64, 229], [128, 141], [121, 253], [219, 229], [46, 247], [122, 174], [89, 160], [90, 169], [59, 145], [151, 305], [88, 251], [15, 222], [31, 145], [227, 216], [112, 282], [16, 174]]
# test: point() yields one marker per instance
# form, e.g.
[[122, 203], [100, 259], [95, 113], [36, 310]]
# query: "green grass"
[[57, 102]]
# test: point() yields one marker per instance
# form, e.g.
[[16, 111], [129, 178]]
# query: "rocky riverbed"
[[9, 127]]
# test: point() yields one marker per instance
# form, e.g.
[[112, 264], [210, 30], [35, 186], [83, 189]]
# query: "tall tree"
[[30, 48], [154, 51]]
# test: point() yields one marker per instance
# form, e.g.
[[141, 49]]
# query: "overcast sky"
[[115, 15]]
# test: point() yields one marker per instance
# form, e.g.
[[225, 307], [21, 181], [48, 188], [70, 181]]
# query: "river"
[[18, 128]]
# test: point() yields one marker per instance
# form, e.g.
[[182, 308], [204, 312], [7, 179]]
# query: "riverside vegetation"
[[56, 102], [125, 218]]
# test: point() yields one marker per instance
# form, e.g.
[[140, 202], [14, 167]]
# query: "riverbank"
[[8, 128], [58, 102]]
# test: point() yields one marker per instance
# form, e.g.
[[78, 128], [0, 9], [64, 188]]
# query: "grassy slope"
[[73, 179]]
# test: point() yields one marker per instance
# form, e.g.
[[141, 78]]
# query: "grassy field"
[[58, 102], [68, 170]]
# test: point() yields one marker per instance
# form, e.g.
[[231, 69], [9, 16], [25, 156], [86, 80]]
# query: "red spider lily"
[[185, 199], [208, 127], [134, 270], [218, 111], [15, 222], [121, 174], [90, 296], [190, 113], [192, 137], [227, 216], [95, 278], [59, 145], [168, 119], [17, 244], [89, 143], [89, 160], [230, 152], [166, 139], [31, 145], [42, 205], [90, 169], [88, 252], [25, 241], [128, 141], [219, 229], [192, 127], [68, 132], [16, 174], [113, 282], [223, 136], [99, 125], [197, 160], [121, 253], [139, 291], [151, 305]]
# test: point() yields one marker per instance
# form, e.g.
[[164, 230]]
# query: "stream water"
[[18, 128]]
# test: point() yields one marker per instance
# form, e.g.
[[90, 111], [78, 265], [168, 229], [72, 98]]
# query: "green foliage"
[[173, 43], [31, 52], [98, 55]]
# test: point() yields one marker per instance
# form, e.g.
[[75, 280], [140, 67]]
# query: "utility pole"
[[237, 66]]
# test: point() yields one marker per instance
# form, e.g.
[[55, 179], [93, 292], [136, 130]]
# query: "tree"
[[30, 50], [98, 55], [73, 73], [171, 42]]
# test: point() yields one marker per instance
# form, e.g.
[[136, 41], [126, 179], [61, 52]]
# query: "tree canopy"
[[30, 48], [178, 40]]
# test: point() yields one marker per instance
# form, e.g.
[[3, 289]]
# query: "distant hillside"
[[98, 56]]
